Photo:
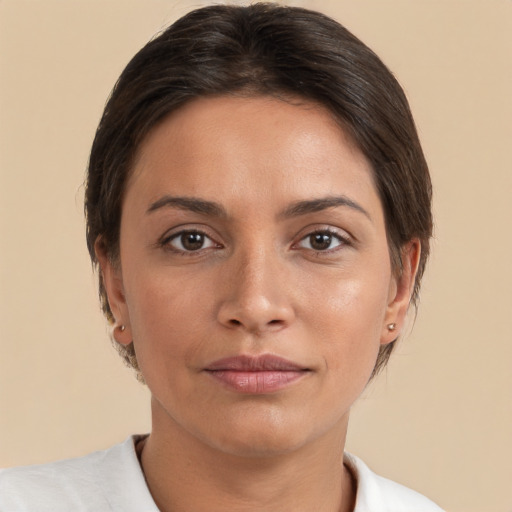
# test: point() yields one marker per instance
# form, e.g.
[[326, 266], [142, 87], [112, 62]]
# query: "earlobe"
[[121, 335], [401, 289], [113, 283]]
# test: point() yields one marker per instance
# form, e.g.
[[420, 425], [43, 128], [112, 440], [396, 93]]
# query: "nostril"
[[235, 322]]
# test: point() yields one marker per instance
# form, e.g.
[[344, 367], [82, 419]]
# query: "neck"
[[184, 473]]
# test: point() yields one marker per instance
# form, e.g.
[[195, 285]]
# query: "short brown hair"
[[263, 49]]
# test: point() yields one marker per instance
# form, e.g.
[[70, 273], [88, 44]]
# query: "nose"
[[255, 295]]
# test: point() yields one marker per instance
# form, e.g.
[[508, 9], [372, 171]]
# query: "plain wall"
[[440, 418]]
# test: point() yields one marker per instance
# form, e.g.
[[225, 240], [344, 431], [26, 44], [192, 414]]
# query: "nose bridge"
[[257, 264], [256, 299]]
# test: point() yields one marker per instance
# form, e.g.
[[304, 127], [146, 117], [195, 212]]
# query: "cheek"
[[355, 302], [164, 314], [347, 317]]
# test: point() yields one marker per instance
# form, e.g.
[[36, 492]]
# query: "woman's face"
[[255, 277]]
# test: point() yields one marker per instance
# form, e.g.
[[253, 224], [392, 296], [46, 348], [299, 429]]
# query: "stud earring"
[[119, 336], [391, 327], [120, 328]]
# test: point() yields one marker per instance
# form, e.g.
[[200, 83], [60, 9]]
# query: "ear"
[[113, 283], [400, 292]]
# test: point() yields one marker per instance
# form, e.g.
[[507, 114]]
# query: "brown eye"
[[322, 241], [189, 241], [192, 241]]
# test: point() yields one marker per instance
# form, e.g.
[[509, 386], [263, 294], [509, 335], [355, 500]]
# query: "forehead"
[[253, 148]]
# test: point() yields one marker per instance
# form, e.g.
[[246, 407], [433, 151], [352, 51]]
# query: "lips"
[[256, 375]]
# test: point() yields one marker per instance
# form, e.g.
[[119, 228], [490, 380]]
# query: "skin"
[[259, 284]]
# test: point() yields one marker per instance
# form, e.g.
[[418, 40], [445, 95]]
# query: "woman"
[[259, 206]]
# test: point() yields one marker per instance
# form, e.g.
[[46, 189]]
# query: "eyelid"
[[345, 238], [342, 235], [175, 232]]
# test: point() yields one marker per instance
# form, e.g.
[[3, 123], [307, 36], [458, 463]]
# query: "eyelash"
[[343, 240], [166, 240]]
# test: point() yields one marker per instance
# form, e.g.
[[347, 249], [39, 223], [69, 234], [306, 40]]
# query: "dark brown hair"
[[263, 49]]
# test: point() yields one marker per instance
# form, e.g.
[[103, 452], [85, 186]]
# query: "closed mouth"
[[262, 363], [256, 374]]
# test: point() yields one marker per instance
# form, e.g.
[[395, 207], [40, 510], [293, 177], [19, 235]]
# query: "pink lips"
[[256, 375]]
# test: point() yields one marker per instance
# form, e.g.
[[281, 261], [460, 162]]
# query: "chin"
[[262, 435], [258, 444]]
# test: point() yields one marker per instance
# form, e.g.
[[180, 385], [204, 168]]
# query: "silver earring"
[[391, 327]]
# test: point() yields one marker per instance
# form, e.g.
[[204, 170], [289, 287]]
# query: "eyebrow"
[[192, 204], [316, 205], [296, 209]]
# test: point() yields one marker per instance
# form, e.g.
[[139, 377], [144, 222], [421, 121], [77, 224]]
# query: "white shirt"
[[112, 481]]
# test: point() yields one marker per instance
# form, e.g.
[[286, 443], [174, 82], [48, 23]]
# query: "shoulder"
[[378, 494], [62, 485], [96, 482]]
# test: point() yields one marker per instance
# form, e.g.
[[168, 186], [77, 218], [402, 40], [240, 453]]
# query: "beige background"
[[440, 418]]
